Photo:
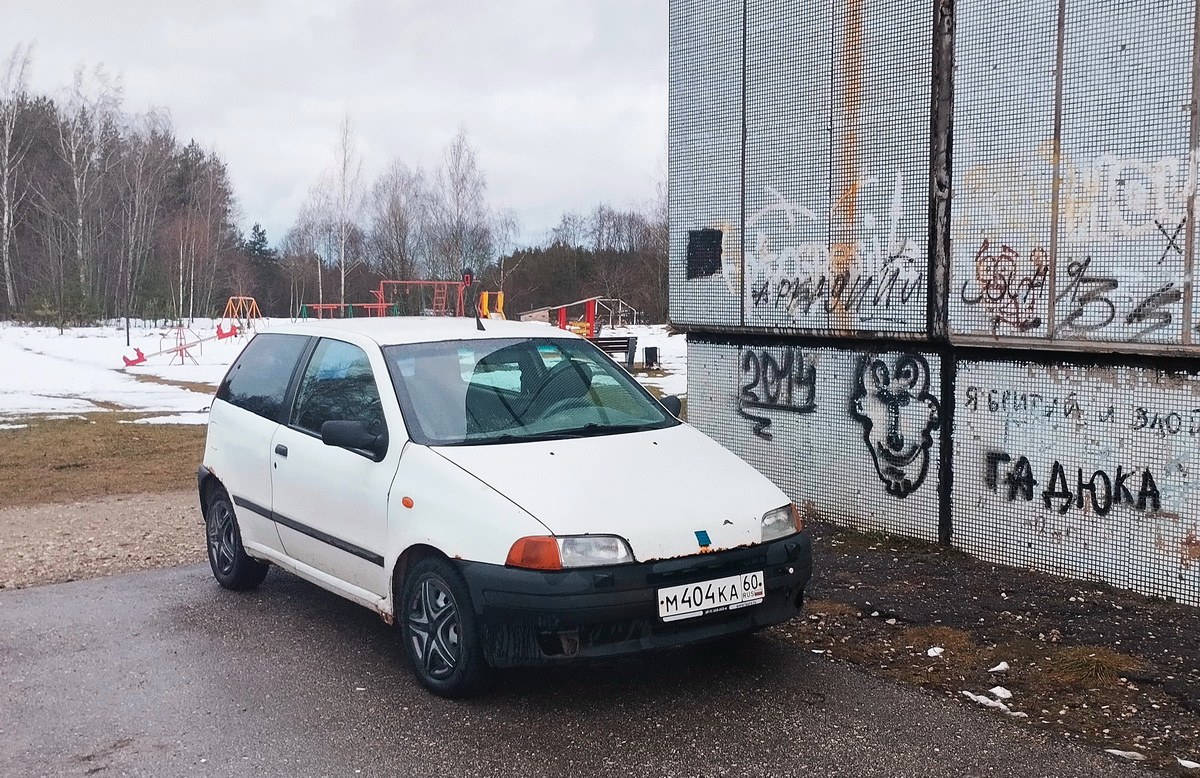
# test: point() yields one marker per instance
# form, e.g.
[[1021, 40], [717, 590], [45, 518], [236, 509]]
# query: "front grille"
[[669, 572]]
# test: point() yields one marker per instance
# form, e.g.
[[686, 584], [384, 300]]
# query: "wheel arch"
[[207, 483], [405, 562]]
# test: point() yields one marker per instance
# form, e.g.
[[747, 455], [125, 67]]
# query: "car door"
[[242, 423], [331, 504]]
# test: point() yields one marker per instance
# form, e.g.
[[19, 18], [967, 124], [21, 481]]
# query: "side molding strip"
[[316, 534]]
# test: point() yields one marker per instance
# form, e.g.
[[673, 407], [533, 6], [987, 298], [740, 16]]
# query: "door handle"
[[281, 450]]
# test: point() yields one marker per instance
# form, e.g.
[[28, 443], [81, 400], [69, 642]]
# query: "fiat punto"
[[503, 492]]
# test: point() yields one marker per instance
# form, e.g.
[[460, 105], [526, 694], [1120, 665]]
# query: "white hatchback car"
[[509, 496]]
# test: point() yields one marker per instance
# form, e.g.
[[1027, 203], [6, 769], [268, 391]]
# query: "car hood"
[[658, 489]]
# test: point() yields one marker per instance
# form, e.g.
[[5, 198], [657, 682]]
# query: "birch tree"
[[399, 210], [463, 236], [86, 131], [346, 193], [142, 168], [13, 147]]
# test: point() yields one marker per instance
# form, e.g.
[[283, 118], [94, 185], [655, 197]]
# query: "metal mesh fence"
[[830, 236], [705, 161]]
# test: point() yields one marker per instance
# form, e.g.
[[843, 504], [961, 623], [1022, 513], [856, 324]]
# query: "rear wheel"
[[439, 629], [231, 565]]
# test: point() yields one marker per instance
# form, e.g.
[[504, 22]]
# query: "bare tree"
[[13, 148], [309, 237], [570, 230], [144, 162], [505, 227], [347, 198], [86, 131], [399, 209], [298, 249], [463, 234]]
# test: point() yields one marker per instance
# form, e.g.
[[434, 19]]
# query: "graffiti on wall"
[[898, 415], [1119, 273], [1008, 286], [775, 379], [1099, 493], [874, 276], [1110, 198]]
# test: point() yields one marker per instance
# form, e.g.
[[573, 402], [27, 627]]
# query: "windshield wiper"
[[510, 438], [592, 428]]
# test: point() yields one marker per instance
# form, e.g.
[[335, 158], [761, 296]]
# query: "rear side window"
[[258, 380]]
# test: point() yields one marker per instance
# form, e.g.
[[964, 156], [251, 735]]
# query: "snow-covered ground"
[[81, 369], [672, 354]]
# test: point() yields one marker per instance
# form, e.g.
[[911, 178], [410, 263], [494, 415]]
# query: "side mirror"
[[354, 435], [673, 404]]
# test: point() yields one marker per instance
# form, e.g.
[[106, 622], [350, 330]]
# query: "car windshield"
[[469, 392]]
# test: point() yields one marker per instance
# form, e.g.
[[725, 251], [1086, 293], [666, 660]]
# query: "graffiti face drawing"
[[898, 415]]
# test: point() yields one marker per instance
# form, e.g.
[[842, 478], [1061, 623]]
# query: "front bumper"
[[531, 617]]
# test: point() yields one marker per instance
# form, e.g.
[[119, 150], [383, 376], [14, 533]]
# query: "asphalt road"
[[162, 673]]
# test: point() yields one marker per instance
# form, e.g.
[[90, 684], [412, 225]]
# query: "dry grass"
[[955, 641], [192, 386], [1092, 665], [62, 460]]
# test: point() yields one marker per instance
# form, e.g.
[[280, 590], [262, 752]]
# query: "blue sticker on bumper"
[[702, 538]]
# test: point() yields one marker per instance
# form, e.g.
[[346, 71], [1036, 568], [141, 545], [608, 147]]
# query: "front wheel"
[[231, 565], [439, 629]]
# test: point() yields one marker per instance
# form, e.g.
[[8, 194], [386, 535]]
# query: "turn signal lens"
[[798, 518], [535, 553], [557, 553]]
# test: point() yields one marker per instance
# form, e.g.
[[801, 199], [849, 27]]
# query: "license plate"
[[719, 594]]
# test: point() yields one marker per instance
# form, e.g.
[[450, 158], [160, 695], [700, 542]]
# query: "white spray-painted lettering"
[[864, 277]]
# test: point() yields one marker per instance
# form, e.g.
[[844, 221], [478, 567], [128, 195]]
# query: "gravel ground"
[[1100, 666], [65, 542]]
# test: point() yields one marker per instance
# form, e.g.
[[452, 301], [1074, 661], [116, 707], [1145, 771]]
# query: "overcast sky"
[[565, 101]]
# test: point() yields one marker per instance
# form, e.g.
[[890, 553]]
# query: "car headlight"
[[570, 551], [781, 522]]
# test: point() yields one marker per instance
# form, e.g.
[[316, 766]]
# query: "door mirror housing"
[[673, 404], [355, 436]]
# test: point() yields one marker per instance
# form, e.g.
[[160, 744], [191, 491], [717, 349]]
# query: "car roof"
[[389, 330]]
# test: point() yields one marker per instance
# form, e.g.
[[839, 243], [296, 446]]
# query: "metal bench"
[[627, 346]]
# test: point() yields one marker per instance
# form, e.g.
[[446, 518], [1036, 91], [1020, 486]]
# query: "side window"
[[338, 385], [258, 380], [500, 370]]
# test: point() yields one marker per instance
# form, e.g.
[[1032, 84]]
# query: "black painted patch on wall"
[[703, 253]]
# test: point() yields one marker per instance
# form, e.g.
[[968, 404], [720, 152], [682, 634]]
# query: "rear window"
[[258, 380]]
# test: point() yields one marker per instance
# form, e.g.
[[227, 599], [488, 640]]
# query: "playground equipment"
[[486, 309], [616, 311], [442, 295], [185, 339], [243, 311]]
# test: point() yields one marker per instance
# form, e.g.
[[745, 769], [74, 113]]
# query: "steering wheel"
[[565, 383]]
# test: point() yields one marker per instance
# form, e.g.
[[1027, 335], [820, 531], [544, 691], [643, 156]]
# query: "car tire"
[[439, 630], [231, 565]]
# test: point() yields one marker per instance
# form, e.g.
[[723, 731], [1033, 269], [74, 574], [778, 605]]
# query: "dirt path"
[[45, 544]]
